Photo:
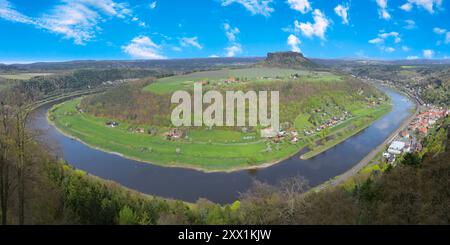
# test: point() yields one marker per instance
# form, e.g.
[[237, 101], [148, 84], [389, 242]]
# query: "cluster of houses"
[[231, 80], [175, 134], [426, 120], [270, 133], [328, 124], [409, 140]]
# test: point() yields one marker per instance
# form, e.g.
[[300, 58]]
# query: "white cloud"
[[406, 48], [76, 19], [318, 28], [428, 53], [410, 24], [384, 35], [381, 39], [303, 6], [214, 56], [342, 12], [262, 7], [406, 7], [376, 40], [412, 57], [190, 42], [9, 13], [233, 50], [429, 5], [389, 49], [142, 47], [140, 23], [177, 49], [393, 34], [439, 31], [230, 32], [153, 5], [294, 42], [382, 9]]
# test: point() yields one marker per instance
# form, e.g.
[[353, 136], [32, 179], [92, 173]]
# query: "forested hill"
[[38, 87]]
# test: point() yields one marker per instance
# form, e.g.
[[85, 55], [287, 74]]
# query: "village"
[[410, 139]]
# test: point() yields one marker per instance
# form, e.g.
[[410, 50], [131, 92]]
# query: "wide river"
[[190, 185]]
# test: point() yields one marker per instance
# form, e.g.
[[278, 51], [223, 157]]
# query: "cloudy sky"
[[56, 30]]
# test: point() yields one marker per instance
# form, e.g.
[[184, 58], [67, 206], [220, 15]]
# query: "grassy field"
[[22, 76], [186, 82]]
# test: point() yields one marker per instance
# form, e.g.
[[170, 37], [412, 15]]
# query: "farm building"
[[175, 134], [112, 124], [268, 133]]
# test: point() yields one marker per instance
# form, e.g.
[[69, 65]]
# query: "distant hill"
[[353, 62], [175, 64], [291, 60]]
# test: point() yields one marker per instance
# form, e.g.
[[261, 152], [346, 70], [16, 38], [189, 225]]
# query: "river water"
[[190, 185]]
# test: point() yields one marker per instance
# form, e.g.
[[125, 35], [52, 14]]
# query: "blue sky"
[[57, 30]]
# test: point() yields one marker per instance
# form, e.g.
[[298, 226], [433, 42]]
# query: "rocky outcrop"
[[291, 60]]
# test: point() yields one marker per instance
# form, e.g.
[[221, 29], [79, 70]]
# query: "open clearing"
[[23, 76], [186, 82]]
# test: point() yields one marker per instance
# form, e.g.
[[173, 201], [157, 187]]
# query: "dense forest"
[[80, 79]]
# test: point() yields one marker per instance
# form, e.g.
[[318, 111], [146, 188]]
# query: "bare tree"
[[20, 166], [4, 160], [292, 190]]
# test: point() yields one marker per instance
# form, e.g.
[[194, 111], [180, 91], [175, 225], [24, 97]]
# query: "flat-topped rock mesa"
[[288, 60]]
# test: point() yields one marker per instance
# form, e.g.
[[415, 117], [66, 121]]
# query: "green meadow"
[[253, 75], [22, 76]]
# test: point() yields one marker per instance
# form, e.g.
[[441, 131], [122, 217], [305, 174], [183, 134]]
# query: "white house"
[[268, 133], [396, 147]]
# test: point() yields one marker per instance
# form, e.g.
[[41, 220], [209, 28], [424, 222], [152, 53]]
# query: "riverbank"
[[346, 135], [376, 152]]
